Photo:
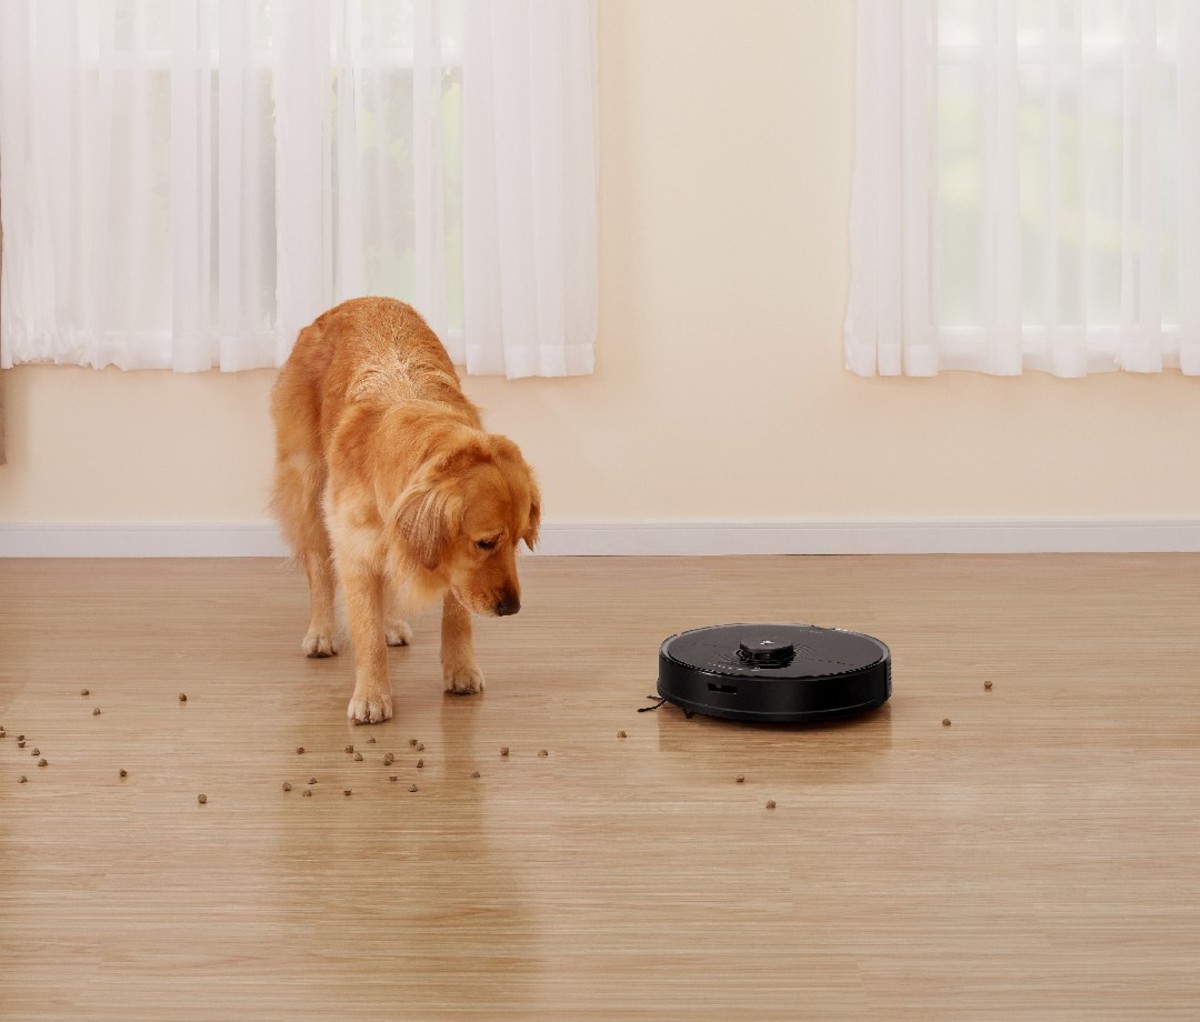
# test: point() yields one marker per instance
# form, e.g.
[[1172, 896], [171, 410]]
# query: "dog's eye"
[[487, 544]]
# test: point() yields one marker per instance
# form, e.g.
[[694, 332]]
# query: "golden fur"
[[387, 483]]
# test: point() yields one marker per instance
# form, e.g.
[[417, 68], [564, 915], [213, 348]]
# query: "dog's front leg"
[[461, 673], [362, 589]]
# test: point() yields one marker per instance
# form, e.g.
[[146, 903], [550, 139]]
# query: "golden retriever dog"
[[387, 484]]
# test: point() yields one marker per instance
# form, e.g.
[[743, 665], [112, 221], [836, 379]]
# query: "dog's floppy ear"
[[427, 517], [535, 518]]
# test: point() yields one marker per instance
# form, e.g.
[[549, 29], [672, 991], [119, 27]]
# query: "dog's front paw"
[[370, 708], [319, 642], [463, 679], [398, 633]]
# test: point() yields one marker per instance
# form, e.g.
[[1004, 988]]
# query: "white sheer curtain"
[[186, 183], [1026, 188]]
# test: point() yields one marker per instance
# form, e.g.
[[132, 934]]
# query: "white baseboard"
[[260, 539]]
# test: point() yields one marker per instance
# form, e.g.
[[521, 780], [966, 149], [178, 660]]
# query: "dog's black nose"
[[507, 605]]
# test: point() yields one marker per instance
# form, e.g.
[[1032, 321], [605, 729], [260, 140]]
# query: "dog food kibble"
[[122, 773], [183, 697], [987, 684], [312, 780], [85, 692], [347, 792], [22, 779], [20, 738], [36, 752], [475, 774], [299, 750], [308, 792], [349, 748], [371, 741], [770, 803], [96, 711], [358, 757], [41, 762], [543, 752], [287, 786], [945, 722], [622, 734], [504, 750], [412, 742], [741, 778], [393, 777], [202, 799], [20, 745], [388, 759], [412, 787], [420, 746], [420, 764]]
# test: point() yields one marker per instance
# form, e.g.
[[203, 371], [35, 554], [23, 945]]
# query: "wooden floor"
[[1037, 859]]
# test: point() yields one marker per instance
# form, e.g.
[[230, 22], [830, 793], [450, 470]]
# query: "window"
[[187, 184], [1027, 187]]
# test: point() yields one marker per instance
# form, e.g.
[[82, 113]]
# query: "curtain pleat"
[[529, 187]]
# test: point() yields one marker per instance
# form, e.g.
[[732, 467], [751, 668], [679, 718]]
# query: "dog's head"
[[463, 515]]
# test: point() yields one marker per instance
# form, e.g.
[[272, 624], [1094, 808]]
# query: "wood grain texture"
[[1038, 859]]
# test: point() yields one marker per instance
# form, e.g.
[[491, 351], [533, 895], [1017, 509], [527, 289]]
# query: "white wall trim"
[[260, 539]]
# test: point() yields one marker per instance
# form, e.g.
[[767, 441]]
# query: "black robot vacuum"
[[774, 673]]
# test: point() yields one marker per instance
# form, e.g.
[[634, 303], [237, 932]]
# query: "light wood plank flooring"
[[1038, 859]]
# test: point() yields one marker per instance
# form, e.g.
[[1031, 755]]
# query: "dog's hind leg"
[[299, 484], [395, 628]]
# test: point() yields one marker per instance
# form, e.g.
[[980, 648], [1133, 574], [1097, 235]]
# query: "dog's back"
[[372, 350]]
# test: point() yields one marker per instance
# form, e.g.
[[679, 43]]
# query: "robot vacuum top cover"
[[774, 672]]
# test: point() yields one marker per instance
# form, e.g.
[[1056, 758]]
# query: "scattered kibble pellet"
[[622, 734], [312, 780], [20, 745], [20, 738], [202, 799], [308, 792], [503, 750], [183, 697], [420, 764], [347, 792], [358, 757], [741, 778], [393, 777], [987, 684], [299, 750], [420, 746], [388, 759], [371, 741], [412, 787], [475, 774], [96, 711], [945, 722], [85, 692], [22, 779], [122, 773], [286, 786], [770, 803], [349, 748], [543, 752], [42, 762], [36, 752], [412, 742]]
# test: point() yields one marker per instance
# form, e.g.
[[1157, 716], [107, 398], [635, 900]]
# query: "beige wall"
[[726, 140]]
